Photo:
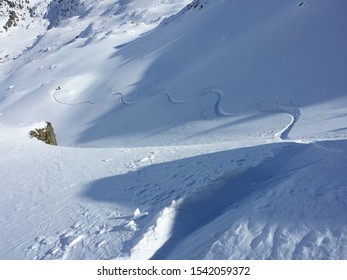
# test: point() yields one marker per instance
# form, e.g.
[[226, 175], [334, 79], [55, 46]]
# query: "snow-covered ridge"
[[59, 10], [194, 5]]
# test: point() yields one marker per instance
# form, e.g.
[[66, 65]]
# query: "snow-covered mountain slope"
[[244, 59], [186, 130]]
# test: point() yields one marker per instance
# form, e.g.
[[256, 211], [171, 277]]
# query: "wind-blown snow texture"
[[187, 130]]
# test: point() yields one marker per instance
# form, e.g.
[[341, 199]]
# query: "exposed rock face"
[[45, 134], [59, 10], [21, 12], [12, 12]]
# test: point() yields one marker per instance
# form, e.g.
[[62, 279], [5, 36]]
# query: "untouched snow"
[[214, 130]]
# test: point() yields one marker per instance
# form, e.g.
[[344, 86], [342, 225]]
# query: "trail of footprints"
[[82, 237], [55, 247]]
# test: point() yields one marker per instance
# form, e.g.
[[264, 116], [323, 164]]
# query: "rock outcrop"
[[45, 134]]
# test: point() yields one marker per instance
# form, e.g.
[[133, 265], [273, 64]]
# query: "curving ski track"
[[217, 92], [283, 134], [292, 111]]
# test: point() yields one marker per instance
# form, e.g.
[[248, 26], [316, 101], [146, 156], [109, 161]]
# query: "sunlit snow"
[[205, 130]]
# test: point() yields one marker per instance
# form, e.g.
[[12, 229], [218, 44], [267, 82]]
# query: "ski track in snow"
[[202, 206], [264, 107], [217, 92], [285, 108], [283, 134]]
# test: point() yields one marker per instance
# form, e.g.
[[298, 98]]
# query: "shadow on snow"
[[204, 197]]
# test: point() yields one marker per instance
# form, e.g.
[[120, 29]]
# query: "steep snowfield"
[[215, 130]]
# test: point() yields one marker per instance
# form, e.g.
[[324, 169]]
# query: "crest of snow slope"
[[234, 78]]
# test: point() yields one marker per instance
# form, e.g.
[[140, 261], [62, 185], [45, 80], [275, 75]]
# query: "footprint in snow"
[[55, 247]]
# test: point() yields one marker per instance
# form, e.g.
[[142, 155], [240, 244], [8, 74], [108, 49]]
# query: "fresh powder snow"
[[205, 129]]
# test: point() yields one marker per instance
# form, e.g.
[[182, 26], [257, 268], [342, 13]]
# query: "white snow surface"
[[186, 130]]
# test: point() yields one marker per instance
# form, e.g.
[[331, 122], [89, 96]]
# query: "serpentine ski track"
[[292, 111]]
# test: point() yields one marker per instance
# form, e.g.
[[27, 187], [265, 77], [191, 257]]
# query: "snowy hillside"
[[186, 130]]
